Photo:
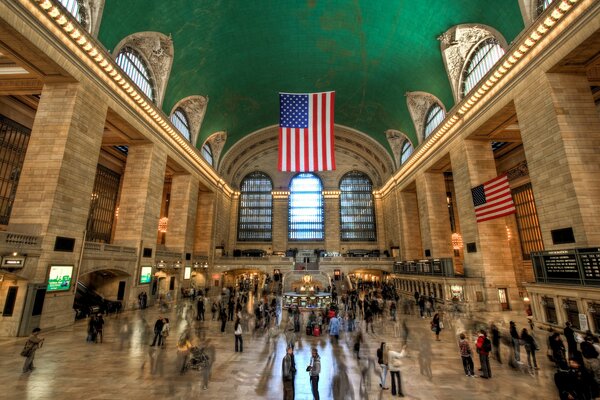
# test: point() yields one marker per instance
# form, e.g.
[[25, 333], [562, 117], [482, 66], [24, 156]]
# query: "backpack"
[[487, 345], [379, 356], [28, 349]]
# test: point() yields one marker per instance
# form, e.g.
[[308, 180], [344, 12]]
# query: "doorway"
[[503, 297]]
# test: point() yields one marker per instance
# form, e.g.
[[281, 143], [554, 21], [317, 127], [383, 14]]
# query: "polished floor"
[[124, 366]]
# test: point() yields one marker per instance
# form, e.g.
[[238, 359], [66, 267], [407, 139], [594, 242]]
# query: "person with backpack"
[[531, 347], [484, 347], [465, 355], [33, 343]]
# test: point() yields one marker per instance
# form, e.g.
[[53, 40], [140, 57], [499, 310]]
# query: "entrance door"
[[503, 296], [32, 312], [121, 290]]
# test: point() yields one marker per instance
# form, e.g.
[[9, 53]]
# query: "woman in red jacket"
[[484, 346]]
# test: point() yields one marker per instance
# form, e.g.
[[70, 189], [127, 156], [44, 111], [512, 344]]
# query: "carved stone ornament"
[[217, 142], [157, 49], [90, 12], [519, 170], [195, 109], [456, 44], [418, 104], [396, 139]]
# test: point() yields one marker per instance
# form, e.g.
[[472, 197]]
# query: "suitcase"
[[317, 331], [308, 330]]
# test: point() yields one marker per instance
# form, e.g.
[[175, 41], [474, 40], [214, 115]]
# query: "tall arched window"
[[542, 5], [73, 7], [357, 212], [206, 152], [407, 149], [483, 58], [255, 220], [134, 66], [433, 118], [179, 119], [306, 214]]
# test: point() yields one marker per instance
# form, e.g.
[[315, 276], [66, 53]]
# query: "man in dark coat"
[[158, 326]]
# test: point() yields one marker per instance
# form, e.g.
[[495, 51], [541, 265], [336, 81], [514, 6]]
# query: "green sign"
[[146, 275], [59, 277]]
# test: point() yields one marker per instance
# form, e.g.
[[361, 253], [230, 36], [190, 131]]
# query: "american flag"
[[493, 199], [306, 132]]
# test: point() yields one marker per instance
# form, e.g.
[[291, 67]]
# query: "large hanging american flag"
[[306, 132], [493, 199]]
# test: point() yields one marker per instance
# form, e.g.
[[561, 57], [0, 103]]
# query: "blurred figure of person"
[[91, 330], [99, 327], [395, 363], [516, 342], [223, 318], [166, 330], [213, 310], [571, 341], [158, 325], [314, 369], [531, 347], [590, 360], [425, 355], [436, 326], [557, 347], [466, 356], [484, 347], [495, 332], [290, 334], [238, 336], [288, 373], [33, 343], [334, 328], [200, 308], [358, 338], [574, 383], [382, 360], [183, 351]]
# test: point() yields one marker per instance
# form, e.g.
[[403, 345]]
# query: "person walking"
[[466, 356], [91, 330], [334, 328], [223, 317], [395, 363], [496, 341], [531, 347], [382, 360], [158, 326], [436, 326], [288, 373], [314, 369], [484, 346], [516, 342], [99, 327], [357, 341], [238, 336], [33, 343], [200, 308], [166, 330]]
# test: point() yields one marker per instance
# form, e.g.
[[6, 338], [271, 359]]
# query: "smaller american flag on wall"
[[493, 199], [306, 132]]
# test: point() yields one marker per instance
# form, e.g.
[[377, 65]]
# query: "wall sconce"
[[457, 242], [592, 308]]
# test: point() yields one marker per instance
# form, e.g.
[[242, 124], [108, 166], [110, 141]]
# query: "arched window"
[[357, 213], [73, 7], [134, 66], [306, 214], [433, 118], [407, 149], [256, 208], [207, 153], [542, 5], [483, 58], [179, 119]]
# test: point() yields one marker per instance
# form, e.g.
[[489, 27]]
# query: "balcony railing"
[[19, 240]]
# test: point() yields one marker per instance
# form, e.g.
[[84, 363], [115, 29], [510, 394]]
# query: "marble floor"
[[124, 366]]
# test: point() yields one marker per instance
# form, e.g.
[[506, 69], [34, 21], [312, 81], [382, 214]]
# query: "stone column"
[[182, 213], [141, 194], [473, 164], [434, 218], [204, 223], [56, 183], [380, 224], [332, 221], [139, 207], [560, 128], [280, 222], [411, 246]]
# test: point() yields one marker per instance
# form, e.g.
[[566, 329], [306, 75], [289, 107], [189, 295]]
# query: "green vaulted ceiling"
[[242, 53]]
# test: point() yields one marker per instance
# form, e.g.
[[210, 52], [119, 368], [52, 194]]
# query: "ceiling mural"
[[241, 54]]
